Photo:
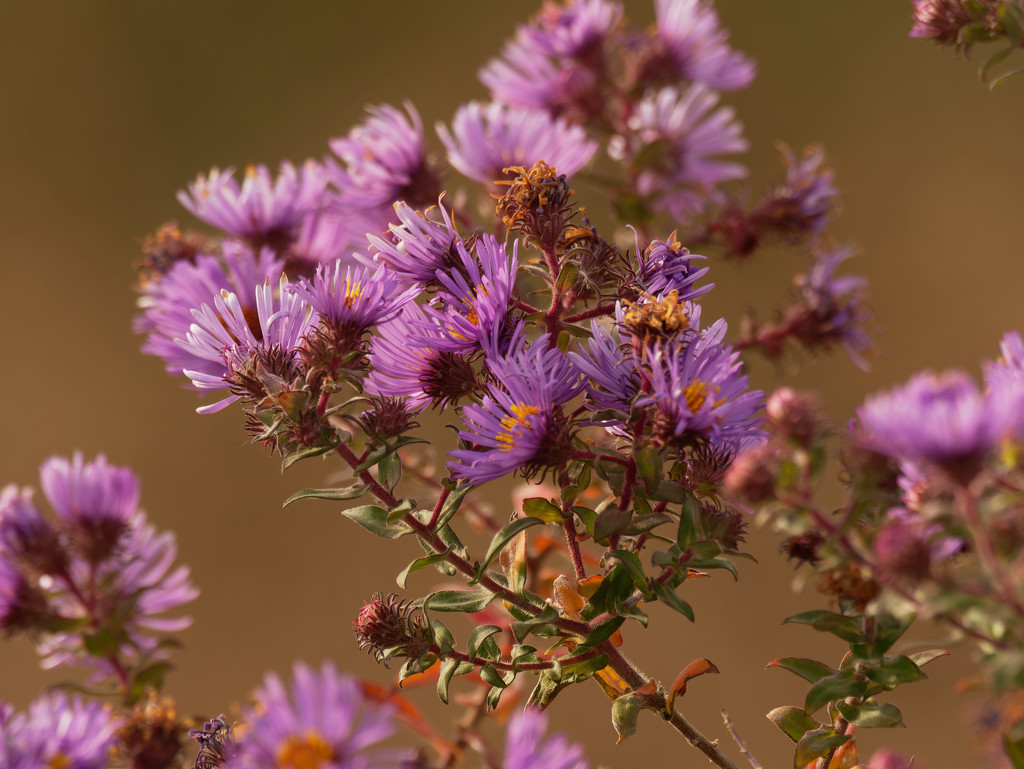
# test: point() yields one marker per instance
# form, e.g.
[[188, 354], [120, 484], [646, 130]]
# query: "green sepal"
[[793, 721], [871, 715], [149, 677], [375, 520], [477, 637], [353, 491], [809, 670]]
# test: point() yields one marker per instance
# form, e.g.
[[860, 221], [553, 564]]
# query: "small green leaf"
[[149, 677], [847, 628], [353, 491], [615, 588], [923, 658], [688, 517], [809, 670], [100, 643], [449, 669], [641, 524], [522, 628], [452, 503], [668, 597], [468, 601], [477, 637], [504, 536], [793, 721], [871, 715], [312, 451], [817, 743], [419, 563], [602, 632], [397, 513], [375, 520], [538, 507], [835, 687], [611, 520], [489, 675], [632, 564], [648, 462], [895, 671], [389, 471]]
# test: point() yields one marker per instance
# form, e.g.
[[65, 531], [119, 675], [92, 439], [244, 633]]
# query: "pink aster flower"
[[487, 138], [58, 730], [526, 746], [261, 208], [698, 46], [321, 720], [672, 146]]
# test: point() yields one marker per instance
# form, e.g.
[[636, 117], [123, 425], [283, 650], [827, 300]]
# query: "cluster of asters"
[[92, 585]]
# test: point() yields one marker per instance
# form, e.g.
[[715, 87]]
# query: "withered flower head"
[[538, 204], [151, 738], [164, 249], [659, 316]]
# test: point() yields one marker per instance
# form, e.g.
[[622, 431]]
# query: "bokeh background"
[[110, 107]]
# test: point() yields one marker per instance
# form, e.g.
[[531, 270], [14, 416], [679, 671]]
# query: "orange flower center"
[[308, 752], [515, 424]]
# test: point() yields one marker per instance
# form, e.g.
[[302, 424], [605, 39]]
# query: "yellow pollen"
[[514, 423], [308, 752], [59, 761], [352, 292], [695, 394]]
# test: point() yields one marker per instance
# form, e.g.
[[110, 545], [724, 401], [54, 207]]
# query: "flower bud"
[[793, 415], [751, 478], [387, 626], [902, 553]]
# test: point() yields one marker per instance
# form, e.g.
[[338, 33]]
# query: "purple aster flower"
[[524, 77], [940, 20], [670, 147], [834, 306], [487, 138], [474, 298], [404, 363], [570, 29], [167, 304], [518, 424], [322, 721], [418, 247], [89, 491], [385, 161], [665, 265], [357, 299], [698, 391], [227, 336], [937, 418], [697, 46], [613, 380], [26, 536], [58, 731], [1008, 371], [527, 748], [325, 237], [15, 600], [262, 208]]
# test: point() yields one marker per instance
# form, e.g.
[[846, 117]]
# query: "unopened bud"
[[751, 478], [387, 626], [902, 553], [793, 415]]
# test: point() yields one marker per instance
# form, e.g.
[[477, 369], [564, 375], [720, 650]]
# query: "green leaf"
[[793, 721], [452, 503], [468, 601], [616, 587], [375, 520], [419, 563], [688, 517], [602, 632], [611, 520], [523, 628], [923, 658], [632, 564], [489, 675], [668, 597], [538, 507], [443, 637], [817, 743], [100, 643], [895, 671], [641, 524], [871, 715], [648, 462], [809, 670], [353, 491], [312, 451], [503, 537], [449, 669], [839, 625], [403, 506], [587, 517], [670, 491], [389, 471], [835, 687], [477, 637], [888, 630], [1014, 750]]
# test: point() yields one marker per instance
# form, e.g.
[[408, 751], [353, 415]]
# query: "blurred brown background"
[[109, 108]]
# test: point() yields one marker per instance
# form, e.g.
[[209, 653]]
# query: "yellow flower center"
[[514, 424], [352, 292], [59, 761], [308, 752], [695, 394]]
